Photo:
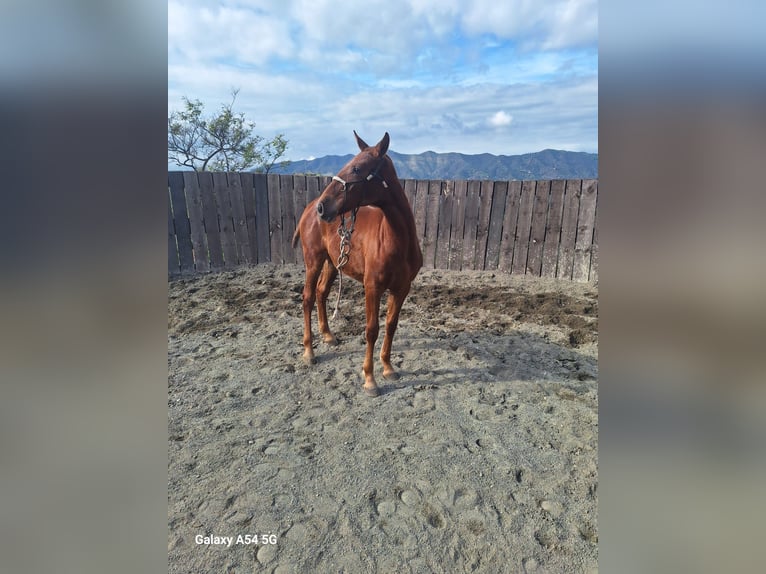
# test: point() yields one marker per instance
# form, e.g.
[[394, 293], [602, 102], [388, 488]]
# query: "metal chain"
[[345, 246], [345, 249]]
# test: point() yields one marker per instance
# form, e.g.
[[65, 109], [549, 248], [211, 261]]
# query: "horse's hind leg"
[[395, 301], [309, 297], [326, 279]]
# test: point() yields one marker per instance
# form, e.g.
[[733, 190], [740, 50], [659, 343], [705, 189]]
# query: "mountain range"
[[546, 164]]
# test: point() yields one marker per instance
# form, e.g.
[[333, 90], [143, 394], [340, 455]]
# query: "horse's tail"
[[296, 237]]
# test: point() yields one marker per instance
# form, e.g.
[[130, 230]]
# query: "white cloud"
[[552, 24], [500, 119], [389, 33], [434, 73], [204, 34]]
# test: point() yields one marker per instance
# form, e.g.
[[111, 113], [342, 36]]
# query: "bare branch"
[[220, 142]]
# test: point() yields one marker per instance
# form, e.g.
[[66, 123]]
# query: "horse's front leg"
[[372, 310], [329, 272]]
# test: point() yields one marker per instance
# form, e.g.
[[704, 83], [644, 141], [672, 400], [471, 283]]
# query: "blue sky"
[[470, 76]]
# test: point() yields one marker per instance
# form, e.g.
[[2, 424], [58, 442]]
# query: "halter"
[[344, 233], [373, 175]]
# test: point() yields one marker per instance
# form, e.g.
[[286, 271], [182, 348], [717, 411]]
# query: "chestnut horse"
[[384, 252]]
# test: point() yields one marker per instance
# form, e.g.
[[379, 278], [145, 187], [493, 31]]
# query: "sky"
[[471, 76]]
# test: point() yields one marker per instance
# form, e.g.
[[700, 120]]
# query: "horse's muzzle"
[[324, 213]]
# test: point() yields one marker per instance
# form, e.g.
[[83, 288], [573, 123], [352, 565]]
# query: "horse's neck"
[[398, 211]]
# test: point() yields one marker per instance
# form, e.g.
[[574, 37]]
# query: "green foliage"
[[271, 152], [222, 142]]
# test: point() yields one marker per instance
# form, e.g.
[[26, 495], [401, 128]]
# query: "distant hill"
[[546, 164]]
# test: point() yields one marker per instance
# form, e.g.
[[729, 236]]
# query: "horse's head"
[[362, 181]]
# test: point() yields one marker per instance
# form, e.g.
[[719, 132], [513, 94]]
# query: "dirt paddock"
[[482, 457]]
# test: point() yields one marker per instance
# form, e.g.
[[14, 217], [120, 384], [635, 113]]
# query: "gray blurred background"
[[681, 233]]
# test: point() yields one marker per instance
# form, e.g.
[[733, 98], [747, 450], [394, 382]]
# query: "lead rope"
[[345, 248]]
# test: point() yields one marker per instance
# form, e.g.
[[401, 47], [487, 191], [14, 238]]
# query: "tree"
[[223, 142]]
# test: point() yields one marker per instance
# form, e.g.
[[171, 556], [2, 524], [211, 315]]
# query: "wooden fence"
[[543, 228]]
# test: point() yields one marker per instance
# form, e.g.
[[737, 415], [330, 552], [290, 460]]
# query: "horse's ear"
[[382, 146], [360, 142]]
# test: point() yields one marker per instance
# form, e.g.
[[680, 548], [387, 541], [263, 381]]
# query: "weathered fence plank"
[[510, 219], [496, 216], [445, 224], [585, 224], [262, 219], [312, 188], [196, 221], [456, 225], [537, 231], [300, 196], [593, 277], [225, 220], [275, 218], [210, 217], [287, 193], [181, 222], [553, 229], [542, 228], [419, 211], [248, 201], [238, 216], [523, 228], [174, 266], [482, 224], [432, 223], [569, 228], [410, 186], [473, 196]]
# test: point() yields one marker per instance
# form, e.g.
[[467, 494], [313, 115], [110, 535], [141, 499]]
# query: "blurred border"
[[83, 353], [82, 251], [682, 146]]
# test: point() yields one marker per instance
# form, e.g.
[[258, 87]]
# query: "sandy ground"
[[482, 457]]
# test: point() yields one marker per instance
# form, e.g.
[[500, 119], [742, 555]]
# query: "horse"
[[380, 249]]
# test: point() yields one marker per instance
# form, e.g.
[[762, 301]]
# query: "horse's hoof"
[[329, 339], [392, 376], [372, 391], [309, 360]]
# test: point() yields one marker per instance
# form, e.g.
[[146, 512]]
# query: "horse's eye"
[[355, 169]]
